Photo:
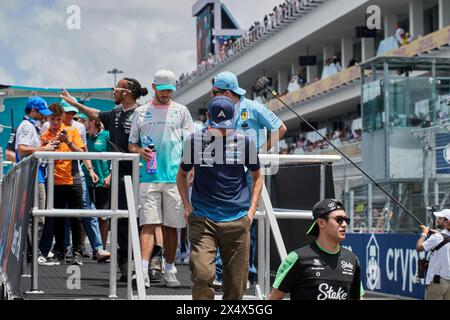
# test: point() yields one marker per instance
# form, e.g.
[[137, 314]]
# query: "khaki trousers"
[[438, 291], [233, 239]]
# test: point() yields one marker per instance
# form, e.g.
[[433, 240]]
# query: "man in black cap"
[[322, 270]]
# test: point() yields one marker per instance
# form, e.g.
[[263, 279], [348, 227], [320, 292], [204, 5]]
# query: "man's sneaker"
[[217, 284], [170, 277], [182, 258], [53, 261], [57, 256], [85, 253], [146, 278], [41, 259], [123, 268], [186, 258], [250, 285], [156, 263], [102, 255], [155, 276], [77, 259]]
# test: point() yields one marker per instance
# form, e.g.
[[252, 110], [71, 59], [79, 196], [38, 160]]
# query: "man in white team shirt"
[[165, 124], [28, 138]]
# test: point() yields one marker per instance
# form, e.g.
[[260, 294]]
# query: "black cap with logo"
[[321, 209]]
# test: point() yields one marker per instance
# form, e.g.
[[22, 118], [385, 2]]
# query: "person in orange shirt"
[[67, 180]]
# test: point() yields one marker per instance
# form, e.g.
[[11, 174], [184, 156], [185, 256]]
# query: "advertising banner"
[[388, 263], [15, 210]]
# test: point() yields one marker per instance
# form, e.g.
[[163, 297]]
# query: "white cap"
[[165, 80], [443, 214]]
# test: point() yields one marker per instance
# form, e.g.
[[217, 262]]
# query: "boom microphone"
[[263, 84]]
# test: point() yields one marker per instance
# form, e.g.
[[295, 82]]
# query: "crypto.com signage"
[[388, 263]]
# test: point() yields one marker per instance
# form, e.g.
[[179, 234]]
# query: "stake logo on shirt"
[[327, 292]]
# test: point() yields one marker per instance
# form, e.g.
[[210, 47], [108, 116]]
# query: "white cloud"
[[135, 36], [5, 77]]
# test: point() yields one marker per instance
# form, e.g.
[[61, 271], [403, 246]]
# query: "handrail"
[[114, 213], [266, 158]]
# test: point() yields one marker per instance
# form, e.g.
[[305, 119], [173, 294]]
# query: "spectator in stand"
[[352, 63], [301, 81], [402, 37], [293, 84]]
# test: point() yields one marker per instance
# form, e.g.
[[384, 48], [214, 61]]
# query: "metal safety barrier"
[[114, 213]]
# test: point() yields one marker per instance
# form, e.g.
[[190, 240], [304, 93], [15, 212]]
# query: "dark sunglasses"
[[217, 92], [340, 219]]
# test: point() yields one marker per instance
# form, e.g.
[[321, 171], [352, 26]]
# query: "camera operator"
[[437, 279]]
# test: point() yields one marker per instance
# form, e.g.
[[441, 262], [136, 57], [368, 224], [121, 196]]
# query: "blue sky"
[[139, 37]]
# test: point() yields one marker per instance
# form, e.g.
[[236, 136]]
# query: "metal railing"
[[267, 216], [114, 213]]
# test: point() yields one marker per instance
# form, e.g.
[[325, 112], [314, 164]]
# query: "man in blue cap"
[[256, 121], [223, 204], [28, 138]]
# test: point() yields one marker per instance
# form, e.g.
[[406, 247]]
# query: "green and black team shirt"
[[311, 273]]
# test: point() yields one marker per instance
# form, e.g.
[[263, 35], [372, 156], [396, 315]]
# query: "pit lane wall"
[[388, 263]]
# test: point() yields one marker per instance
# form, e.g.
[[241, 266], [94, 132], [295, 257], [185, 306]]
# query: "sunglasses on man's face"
[[217, 92], [340, 219], [120, 89]]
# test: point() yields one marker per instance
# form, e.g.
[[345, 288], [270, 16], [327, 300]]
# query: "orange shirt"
[[66, 171]]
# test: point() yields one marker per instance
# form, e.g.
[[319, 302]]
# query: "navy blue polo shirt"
[[220, 191]]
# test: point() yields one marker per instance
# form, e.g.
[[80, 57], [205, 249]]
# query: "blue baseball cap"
[[221, 113], [228, 81], [40, 105]]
